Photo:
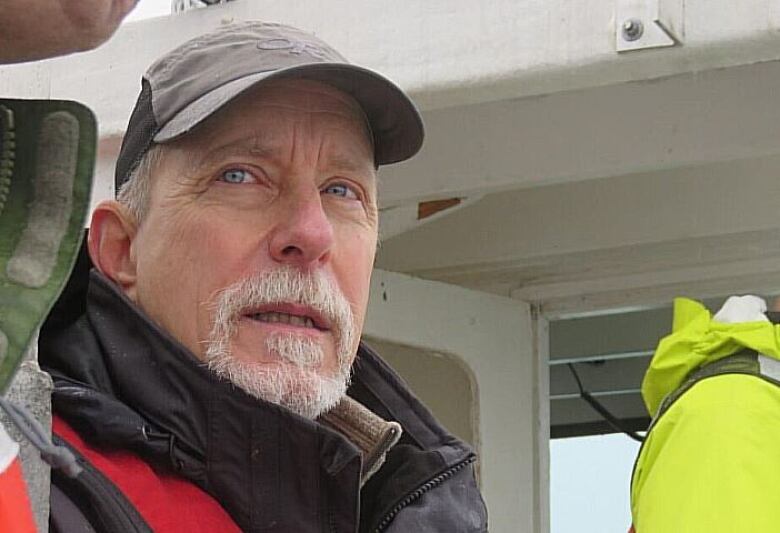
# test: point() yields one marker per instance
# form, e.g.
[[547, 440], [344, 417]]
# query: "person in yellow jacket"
[[711, 459]]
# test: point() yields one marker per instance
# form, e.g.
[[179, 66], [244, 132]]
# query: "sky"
[[589, 476], [589, 484]]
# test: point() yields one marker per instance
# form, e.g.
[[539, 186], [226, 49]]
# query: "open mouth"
[[302, 318]]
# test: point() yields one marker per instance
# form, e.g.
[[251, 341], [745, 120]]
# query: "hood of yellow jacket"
[[698, 339]]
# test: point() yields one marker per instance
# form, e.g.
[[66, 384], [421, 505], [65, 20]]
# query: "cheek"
[[355, 261], [213, 244], [219, 253], [188, 260]]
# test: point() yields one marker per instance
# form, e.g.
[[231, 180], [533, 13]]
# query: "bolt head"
[[632, 29]]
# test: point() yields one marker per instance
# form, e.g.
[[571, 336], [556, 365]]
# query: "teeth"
[[284, 318]]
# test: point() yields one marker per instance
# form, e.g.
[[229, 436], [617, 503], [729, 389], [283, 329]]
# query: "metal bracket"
[[642, 24]]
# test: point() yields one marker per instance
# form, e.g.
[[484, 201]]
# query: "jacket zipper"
[[426, 487]]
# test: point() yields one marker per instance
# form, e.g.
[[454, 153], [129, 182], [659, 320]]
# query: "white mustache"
[[288, 285]]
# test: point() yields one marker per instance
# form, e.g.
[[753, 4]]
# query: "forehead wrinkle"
[[349, 110], [257, 135], [251, 151], [246, 136], [347, 163], [343, 156]]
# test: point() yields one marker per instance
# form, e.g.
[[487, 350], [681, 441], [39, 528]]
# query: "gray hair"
[[136, 191]]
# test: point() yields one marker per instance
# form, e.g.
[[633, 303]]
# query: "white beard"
[[296, 380]]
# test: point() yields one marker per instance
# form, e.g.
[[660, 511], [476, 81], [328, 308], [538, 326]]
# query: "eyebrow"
[[223, 152], [339, 161], [349, 164]]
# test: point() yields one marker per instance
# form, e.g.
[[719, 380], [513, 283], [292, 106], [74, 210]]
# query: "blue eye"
[[339, 189], [235, 175]]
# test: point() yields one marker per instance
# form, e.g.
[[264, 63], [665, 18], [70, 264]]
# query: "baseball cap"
[[192, 82]]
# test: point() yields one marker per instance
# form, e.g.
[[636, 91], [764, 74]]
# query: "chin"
[[308, 392], [289, 372]]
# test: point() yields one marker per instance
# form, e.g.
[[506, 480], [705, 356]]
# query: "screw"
[[633, 29]]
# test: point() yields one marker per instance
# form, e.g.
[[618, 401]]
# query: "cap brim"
[[395, 122]]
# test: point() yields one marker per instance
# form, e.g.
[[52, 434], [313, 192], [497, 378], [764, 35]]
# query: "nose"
[[303, 236]]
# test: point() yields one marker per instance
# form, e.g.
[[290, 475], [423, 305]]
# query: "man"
[[201, 372]]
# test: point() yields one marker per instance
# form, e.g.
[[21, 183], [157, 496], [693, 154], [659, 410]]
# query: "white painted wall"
[[447, 52], [495, 338]]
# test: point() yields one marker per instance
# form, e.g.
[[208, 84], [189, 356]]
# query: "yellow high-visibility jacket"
[[711, 461]]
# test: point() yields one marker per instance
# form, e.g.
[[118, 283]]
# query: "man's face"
[[257, 247]]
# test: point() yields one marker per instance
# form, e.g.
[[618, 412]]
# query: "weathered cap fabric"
[[187, 85]]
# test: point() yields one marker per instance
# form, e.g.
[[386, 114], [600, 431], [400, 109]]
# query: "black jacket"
[[122, 383]]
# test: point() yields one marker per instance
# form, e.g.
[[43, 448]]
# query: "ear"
[[111, 235]]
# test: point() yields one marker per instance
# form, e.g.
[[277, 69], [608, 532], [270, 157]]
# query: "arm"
[[36, 29]]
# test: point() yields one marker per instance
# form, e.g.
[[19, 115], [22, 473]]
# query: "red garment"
[[15, 512], [168, 503]]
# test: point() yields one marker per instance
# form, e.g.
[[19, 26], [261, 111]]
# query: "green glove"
[[47, 158]]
